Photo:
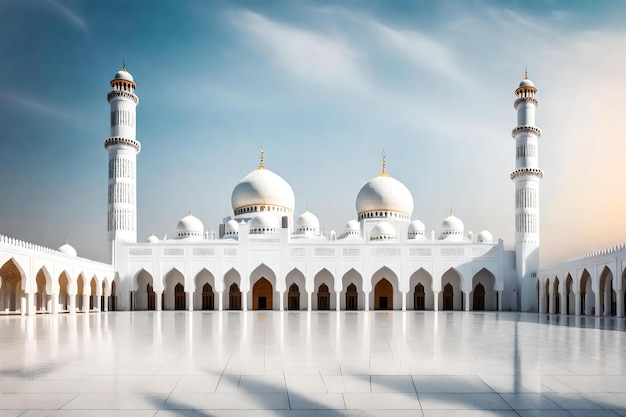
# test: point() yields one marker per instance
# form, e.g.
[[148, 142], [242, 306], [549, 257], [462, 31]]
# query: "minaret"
[[526, 176], [123, 148]]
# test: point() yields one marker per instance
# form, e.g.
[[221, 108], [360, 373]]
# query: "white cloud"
[[66, 13], [37, 106], [308, 55]]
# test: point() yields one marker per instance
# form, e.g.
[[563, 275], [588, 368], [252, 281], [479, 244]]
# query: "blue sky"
[[324, 87]]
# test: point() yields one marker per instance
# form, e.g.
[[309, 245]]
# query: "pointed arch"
[[204, 295], [421, 289], [295, 300], [355, 298], [43, 297], [487, 299], [451, 298], [12, 286], [607, 299], [262, 294], [82, 290], [171, 295], [261, 297], [587, 297], [570, 297], [388, 296], [64, 291], [556, 294], [232, 284], [324, 288], [144, 294]]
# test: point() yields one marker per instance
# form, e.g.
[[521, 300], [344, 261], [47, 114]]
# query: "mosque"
[[264, 258]]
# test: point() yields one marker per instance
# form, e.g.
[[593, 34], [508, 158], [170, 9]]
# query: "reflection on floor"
[[312, 364]]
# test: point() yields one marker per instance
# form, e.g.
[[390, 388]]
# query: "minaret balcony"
[[526, 129], [525, 100], [119, 141], [527, 172], [122, 94]]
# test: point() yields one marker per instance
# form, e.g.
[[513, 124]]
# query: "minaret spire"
[[384, 173], [262, 159], [527, 176], [123, 146]]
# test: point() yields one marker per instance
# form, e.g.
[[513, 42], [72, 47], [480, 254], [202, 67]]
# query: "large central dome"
[[264, 188], [384, 196]]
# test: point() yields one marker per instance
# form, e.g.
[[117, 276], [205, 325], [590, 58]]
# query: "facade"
[[265, 258]]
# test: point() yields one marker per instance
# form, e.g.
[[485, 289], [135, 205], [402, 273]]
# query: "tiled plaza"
[[270, 363]]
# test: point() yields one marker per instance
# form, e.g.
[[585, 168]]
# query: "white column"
[[105, 307], [220, 300], [435, 300], [607, 299], [598, 302], [466, 301], [158, 305], [309, 296], [551, 304], [54, 304], [31, 304], [338, 301], [72, 305], [367, 301], [189, 296], [281, 303], [577, 303], [244, 300], [86, 303], [619, 304], [403, 301], [500, 300]]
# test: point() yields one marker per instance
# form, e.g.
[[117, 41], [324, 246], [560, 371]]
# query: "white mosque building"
[[265, 259]]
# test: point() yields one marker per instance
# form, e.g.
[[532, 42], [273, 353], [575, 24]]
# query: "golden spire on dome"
[[124, 64], [526, 73], [451, 213], [307, 206], [384, 173], [262, 163], [190, 213]]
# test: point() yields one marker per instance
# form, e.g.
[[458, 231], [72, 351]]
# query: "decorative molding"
[[122, 94], [523, 172], [526, 129], [525, 100], [117, 140]]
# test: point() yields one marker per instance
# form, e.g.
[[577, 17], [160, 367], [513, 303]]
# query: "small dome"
[[416, 230], [383, 231], [485, 237], [452, 228], [189, 227], [265, 223], [231, 228], [352, 228], [262, 188], [124, 75], [68, 250], [307, 223], [153, 239], [384, 196], [526, 83]]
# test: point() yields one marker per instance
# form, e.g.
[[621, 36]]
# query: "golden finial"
[[307, 206], [384, 173], [262, 164], [123, 64], [526, 73], [190, 213], [451, 214]]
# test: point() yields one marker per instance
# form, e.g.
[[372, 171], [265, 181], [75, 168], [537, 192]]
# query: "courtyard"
[[270, 363]]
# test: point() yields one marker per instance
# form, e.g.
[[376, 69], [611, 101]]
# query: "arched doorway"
[[293, 298], [352, 297], [64, 297], [262, 295], [323, 297], [234, 297], [208, 302], [11, 290], [448, 297], [557, 296], [587, 298], [569, 295], [42, 305], [419, 298], [93, 285], [179, 297], [479, 297], [144, 297], [383, 295]]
